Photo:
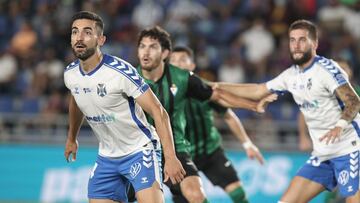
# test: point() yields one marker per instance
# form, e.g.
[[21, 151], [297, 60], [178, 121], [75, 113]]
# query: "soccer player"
[[109, 93], [205, 139], [173, 86], [330, 106]]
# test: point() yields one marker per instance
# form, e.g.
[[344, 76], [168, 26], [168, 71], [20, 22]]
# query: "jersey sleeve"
[[198, 89], [221, 110], [278, 84], [333, 76], [132, 84]]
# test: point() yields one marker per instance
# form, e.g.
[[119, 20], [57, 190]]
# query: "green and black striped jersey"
[[173, 89], [200, 130]]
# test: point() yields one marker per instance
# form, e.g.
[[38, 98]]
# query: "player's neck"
[[154, 74], [92, 62], [307, 64]]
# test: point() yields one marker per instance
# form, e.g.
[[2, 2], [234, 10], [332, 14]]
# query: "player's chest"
[[306, 86], [100, 93]]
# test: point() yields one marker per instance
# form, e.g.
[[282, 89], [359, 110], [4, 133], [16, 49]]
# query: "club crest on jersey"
[[309, 84], [101, 90], [173, 89]]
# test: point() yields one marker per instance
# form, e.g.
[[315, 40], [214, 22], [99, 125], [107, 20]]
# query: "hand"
[[332, 135], [253, 152], [173, 170], [262, 104], [71, 147]]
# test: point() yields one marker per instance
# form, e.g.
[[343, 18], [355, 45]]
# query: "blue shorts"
[[341, 171], [111, 178]]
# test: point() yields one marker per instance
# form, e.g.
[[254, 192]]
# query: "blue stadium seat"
[[30, 105], [6, 104]]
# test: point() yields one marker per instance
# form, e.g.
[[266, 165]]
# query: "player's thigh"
[[144, 169], [354, 199], [219, 170], [153, 194], [347, 173], [301, 190], [105, 183]]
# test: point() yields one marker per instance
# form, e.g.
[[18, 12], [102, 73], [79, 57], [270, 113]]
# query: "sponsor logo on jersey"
[[307, 105], [144, 180], [76, 90], [173, 89], [86, 90], [103, 118], [135, 169], [101, 89], [343, 178], [309, 84]]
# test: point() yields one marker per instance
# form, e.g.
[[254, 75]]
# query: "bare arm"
[[239, 132], [150, 104], [230, 100], [249, 90], [304, 138], [76, 118], [352, 102], [352, 106]]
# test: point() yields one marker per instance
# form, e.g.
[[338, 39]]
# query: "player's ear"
[[165, 54], [316, 43], [101, 40]]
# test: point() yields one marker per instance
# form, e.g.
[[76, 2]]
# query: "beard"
[[84, 54], [302, 60], [151, 66]]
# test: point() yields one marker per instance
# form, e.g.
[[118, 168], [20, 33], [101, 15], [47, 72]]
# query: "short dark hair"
[[185, 49], [306, 25], [157, 33], [90, 16]]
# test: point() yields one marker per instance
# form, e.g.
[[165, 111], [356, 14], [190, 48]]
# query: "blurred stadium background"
[[233, 40]]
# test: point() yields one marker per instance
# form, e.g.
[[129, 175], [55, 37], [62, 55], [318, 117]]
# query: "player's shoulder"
[[326, 64], [116, 62], [178, 71], [72, 65]]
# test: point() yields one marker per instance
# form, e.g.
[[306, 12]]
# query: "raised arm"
[[151, 105], [239, 132], [76, 118], [251, 91]]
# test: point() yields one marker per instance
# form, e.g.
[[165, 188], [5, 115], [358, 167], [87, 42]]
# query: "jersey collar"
[[105, 57], [316, 58]]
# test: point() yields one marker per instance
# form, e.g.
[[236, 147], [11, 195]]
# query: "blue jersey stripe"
[[331, 68], [72, 65], [356, 126], [145, 130], [137, 83]]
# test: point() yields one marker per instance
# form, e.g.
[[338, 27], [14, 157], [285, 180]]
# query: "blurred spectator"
[[24, 41], [259, 44], [147, 14], [231, 71], [9, 68]]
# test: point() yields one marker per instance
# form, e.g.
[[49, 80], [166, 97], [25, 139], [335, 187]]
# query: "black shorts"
[[217, 168], [189, 167]]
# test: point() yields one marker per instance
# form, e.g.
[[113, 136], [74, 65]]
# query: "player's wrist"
[[342, 123], [247, 145]]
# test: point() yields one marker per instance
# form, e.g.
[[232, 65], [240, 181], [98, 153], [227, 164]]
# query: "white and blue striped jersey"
[[313, 89], [106, 96]]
